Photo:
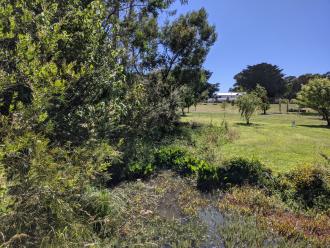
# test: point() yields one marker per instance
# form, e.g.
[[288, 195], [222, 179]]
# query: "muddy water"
[[209, 218], [212, 219], [169, 208]]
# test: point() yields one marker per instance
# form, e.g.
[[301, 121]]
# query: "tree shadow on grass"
[[315, 126], [248, 125], [310, 114]]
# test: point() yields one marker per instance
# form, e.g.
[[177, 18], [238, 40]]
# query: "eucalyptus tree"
[[157, 58]]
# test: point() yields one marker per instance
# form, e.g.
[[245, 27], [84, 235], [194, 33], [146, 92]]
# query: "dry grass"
[[272, 214], [169, 211]]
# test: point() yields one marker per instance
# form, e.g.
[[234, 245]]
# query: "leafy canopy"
[[316, 95], [261, 92], [247, 105], [266, 75]]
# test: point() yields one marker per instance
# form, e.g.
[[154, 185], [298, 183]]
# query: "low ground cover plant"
[[235, 172], [166, 158], [309, 186], [306, 188], [178, 160], [271, 213]]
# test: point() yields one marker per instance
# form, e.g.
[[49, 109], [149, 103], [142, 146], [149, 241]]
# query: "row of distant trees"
[[272, 78], [315, 94], [266, 83]]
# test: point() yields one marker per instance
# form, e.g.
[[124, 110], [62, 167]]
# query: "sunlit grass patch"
[[272, 138]]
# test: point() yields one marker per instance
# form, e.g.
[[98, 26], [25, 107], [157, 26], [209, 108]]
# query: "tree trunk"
[[327, 117], [117, 15]]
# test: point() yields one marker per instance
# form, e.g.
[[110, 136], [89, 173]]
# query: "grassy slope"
[[271, 138]]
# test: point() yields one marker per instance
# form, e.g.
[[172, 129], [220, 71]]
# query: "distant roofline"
[[229, 93]]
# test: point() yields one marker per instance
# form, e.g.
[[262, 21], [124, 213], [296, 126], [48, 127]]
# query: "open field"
[[271, 138]]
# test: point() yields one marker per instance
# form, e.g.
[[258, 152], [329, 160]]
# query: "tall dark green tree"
[[158, 59], [266, 75], [185, 44], [295, 84]]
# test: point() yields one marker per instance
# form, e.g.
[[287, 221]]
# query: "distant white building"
[[223, 97]]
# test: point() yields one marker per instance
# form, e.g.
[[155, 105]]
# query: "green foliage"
[[34, 49], [87, 91], [208, 178], [268, 76], [178, 160], [160, 59], [45, 185], [316, 95], [236, 172], [51, 85], [295, 84], [187, 98], [261, 92], [310, 186], [248, 104], [140, 170]]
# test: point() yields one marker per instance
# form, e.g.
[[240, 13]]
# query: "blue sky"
[[293, 34]]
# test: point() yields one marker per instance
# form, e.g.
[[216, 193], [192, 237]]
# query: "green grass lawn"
[[271, 138]]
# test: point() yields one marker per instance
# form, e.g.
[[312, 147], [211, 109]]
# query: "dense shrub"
[[164, 157], [107, 213], [140, 170], [207, 178], [310, 186], [178, 160], [45, 186], [116, 174], [236, 172], [169, 158]]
